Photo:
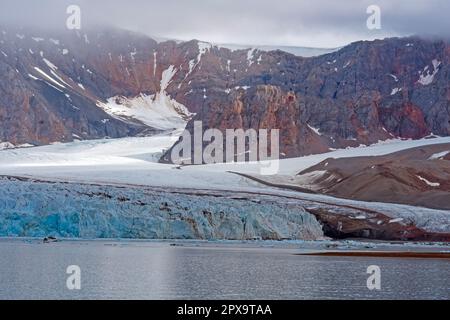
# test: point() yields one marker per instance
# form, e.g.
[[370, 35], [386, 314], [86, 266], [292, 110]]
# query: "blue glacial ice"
[[71, 210]]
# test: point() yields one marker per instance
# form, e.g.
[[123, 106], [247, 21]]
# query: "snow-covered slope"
[[158, 111], [137, 158], [298, 51]]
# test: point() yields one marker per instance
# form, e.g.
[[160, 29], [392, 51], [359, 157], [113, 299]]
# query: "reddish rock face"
[[363, 93], [409, 121]]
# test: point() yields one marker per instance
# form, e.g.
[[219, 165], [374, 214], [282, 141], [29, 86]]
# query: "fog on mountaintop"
[[323, 23]]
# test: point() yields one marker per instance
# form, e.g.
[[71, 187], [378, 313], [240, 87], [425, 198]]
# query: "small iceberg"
[[49, 239]]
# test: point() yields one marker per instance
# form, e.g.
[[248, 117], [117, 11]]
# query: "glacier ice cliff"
[[40, 208]]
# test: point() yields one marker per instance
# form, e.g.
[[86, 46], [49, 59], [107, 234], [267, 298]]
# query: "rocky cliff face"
[[73, 85]]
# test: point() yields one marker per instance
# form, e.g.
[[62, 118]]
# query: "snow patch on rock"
[[250, 56], [395, 91], [158, 111], [431, 184], [316, 131], [49, 78], [427, 76], [439, 155], [203, 47]]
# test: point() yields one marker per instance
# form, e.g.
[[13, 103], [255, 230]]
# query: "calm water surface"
[[156, 270]]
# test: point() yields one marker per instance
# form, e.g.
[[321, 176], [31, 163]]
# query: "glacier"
[[115, 188], [30, 208]]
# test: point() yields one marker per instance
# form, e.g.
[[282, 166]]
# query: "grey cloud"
[[317, 23]]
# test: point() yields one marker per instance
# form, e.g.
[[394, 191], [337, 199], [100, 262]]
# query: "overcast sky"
[[311, 23]]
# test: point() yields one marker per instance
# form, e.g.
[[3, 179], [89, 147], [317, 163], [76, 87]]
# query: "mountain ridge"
[[360, 94]]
